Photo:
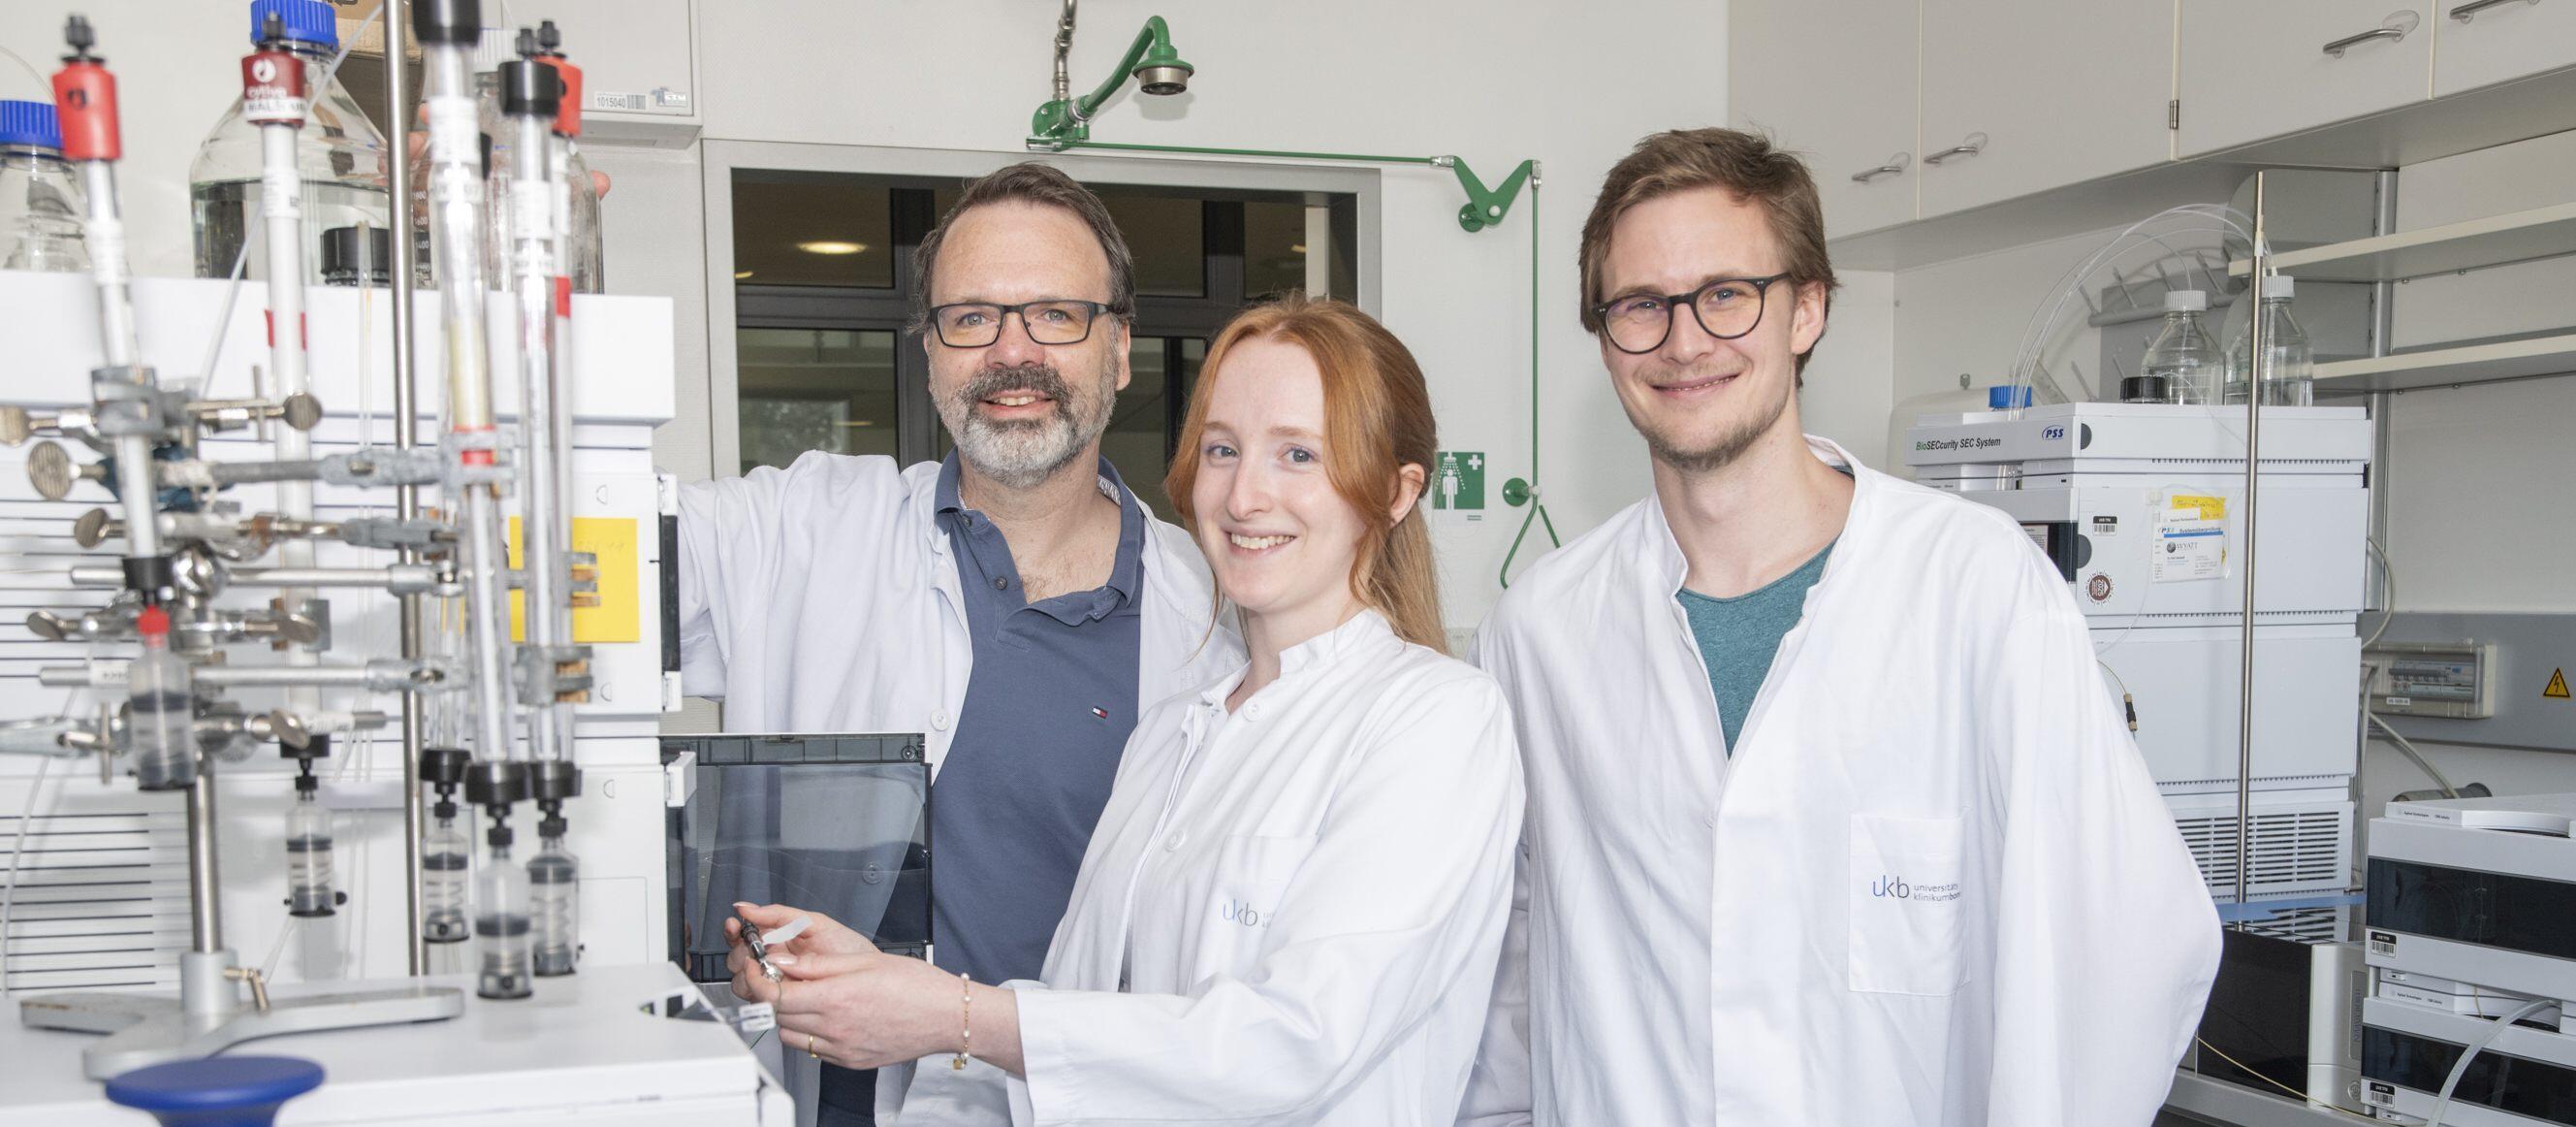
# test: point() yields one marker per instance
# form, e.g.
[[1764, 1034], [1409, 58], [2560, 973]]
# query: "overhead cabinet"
[[2020, 96], [1921, 109], [2482, 42], [2251, 71], [1846, 103]]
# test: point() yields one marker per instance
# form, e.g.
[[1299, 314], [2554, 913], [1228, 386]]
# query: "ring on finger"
[[809, 1047]]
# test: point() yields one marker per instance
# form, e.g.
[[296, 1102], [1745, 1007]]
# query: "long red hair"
[[1377, 420]]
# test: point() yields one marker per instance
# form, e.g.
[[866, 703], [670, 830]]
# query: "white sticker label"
[[755, 1017], [532, 216], [281, 194], [2383, 943], [602, 100], [2191, 540]]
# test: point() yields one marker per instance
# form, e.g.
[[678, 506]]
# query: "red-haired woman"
[[1291, 910]]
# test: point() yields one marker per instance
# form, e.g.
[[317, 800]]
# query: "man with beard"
[[1831, 819], [1015, 603]]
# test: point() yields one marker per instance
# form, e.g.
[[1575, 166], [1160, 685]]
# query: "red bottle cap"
[[153, 622]]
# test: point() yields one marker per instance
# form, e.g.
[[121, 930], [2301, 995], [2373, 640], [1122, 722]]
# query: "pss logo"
[[2052, 432]]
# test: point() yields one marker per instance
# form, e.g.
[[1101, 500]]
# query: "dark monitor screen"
[[836, 824]]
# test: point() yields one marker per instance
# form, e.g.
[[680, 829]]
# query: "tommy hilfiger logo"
[[1100, 712]]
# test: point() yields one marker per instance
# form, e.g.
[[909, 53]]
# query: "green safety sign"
[[1458, 482]]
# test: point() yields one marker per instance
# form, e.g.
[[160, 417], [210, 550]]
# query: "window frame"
[[1352, 194]]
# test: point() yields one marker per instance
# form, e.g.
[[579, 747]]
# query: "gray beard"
[[1716, 453], [1021, 453]]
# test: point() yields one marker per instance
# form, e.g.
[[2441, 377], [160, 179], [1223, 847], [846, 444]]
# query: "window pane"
[[803, 229], [814, 389], [1136, 441], [1169, 239], [1274, 248]]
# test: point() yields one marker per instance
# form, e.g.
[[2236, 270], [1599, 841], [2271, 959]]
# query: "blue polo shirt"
[[1047, 713]]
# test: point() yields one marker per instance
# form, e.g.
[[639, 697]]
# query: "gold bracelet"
[[966, 1018]]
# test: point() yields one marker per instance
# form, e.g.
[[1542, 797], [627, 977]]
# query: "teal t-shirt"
[[1738, 637]]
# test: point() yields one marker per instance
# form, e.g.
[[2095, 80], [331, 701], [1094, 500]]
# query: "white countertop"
[[580, 1044]]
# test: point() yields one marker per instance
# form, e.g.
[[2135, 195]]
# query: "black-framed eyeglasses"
[[1726, 308], [975, 324]]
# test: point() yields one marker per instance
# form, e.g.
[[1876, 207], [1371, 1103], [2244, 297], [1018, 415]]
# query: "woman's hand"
[[823, 935], [867, 1009]]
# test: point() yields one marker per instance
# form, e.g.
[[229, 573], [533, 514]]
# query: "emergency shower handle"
[[1976, 143], [2469, 11], [2393, 29], [1894, 165]]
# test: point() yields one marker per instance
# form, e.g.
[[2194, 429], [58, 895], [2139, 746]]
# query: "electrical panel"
[[2451, 680]]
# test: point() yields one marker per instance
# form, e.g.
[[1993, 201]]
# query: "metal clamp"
[[1976, 143], [2469, 11], [375, 465], [1894, 165], [2393, 29], [300, 411], [18, 424]]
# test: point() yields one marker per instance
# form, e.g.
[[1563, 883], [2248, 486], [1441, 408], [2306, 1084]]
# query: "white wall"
[[1494, 84], [2480, 477]]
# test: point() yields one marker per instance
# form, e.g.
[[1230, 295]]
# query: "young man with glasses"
[[1016, 603], [1831, 819]]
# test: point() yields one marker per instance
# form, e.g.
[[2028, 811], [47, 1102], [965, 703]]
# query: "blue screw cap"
[[305, 21], [30, 123], [2005, 397]]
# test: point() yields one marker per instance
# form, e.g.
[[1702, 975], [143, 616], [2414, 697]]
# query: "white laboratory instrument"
[[2140, 506], [250, 525], [2471, 921]]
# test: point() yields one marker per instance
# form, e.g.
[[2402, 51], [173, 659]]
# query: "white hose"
[[2460, 1068], [17, 856], [2407, 749]]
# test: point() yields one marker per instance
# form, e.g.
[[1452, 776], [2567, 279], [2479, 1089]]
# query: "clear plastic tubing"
[[160, 718], [447, 862], [501, 927], [554, 877], [308, 856]]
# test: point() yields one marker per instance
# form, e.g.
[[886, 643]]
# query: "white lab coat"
[[824, 598], [1933, 886], [1290, 914]]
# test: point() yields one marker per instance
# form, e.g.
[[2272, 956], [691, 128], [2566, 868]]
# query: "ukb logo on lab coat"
[[1906, 887]]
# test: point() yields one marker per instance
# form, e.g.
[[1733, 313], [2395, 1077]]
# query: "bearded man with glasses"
[[1015, 603], [1831, 820]]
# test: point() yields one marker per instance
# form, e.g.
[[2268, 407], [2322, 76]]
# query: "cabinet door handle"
[[2393, 29], [1894, 165], [2469, 11], [1976, 143]]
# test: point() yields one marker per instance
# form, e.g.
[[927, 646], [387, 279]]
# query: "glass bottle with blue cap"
[[339, 151], [40, 197]]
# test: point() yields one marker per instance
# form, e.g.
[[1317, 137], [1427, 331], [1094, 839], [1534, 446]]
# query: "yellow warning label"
[[2188, 505], [618, 616], [2557, 689]]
